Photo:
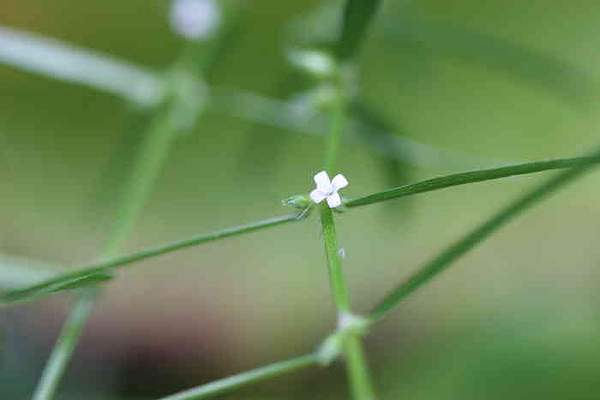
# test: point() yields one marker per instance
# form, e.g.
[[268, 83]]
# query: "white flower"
[[195, 19], [328, 189]]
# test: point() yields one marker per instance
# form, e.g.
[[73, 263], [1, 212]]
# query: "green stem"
[[479, 234], [244, 378], [358, 372], [336, 272], [96, 270], [356, 366], [465, 178], [151, 157], [334, 261], [65, 345]]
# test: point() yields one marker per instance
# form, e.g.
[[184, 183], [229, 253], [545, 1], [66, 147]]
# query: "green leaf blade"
[[101, 272], [465, 178], [479, 234], [357, 16]]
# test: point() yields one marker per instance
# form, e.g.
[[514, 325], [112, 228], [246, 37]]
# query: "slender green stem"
[[356, 366], [65, 345], [151, 157], [464, 178], [358, 371], [244, 378], [336, 273], [334, 261], [479, 234], [98, 270]]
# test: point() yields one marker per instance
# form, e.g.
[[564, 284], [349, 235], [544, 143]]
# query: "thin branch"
[[356, 364], [102, 268], [244, 378], [65, 344]]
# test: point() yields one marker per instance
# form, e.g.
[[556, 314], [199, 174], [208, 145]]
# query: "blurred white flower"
[[195, 19], [328, 189], [316, 63]]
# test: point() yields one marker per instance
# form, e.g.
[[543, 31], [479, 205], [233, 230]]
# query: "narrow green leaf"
[[19, 271], [466, 177], [55, 59], [20, 296], [480, 233], [80, 282], [227, 384], [357, 16], [101, 271]]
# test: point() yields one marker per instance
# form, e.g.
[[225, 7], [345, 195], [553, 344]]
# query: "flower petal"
[[339, 181], [334, 200], [317, 196], [322, 181]]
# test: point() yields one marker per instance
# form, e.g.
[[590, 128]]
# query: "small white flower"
[[195, 19], [328, 189]]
